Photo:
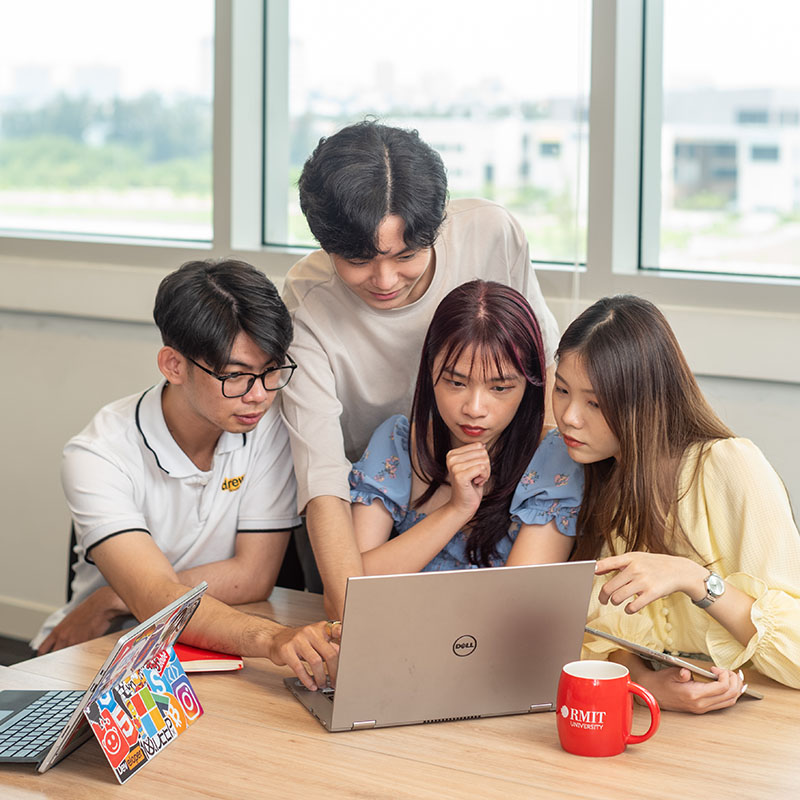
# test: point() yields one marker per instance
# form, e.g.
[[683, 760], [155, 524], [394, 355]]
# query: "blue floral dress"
[[550, 489]]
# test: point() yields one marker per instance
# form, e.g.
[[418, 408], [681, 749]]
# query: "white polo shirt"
[[125, 472]]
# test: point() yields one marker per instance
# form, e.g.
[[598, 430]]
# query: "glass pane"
[[500, 91], [730, 137], [105, 118]]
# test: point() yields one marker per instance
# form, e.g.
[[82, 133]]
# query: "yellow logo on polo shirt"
[[232, 484]]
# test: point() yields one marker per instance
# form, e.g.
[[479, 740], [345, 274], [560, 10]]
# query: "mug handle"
[[655, 713]]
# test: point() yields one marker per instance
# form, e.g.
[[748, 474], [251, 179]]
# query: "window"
[[492, 92], [726, 200], [107, 130], [550, 149], [672, 204], [764, 153], [704, 174], [752, 116]]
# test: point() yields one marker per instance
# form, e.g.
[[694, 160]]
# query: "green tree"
[[64, 116]]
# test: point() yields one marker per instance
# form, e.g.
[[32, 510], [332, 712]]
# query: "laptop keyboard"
[[38, 725]]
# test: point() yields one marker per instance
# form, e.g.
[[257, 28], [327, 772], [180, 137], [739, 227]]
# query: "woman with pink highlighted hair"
[[468, 480]]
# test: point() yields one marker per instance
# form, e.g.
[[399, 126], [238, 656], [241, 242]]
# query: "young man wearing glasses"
[[192, 480]]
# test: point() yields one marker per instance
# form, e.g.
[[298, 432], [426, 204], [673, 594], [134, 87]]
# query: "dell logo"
[[465, 645]]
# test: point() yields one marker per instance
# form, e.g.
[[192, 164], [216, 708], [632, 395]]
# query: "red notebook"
[[196, 659]]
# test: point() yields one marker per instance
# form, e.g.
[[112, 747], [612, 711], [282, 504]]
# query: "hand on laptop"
[[312, 644]]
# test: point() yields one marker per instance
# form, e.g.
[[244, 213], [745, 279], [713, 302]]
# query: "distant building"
[[740, 147]]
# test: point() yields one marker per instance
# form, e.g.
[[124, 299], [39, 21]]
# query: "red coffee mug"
[[595, 708]]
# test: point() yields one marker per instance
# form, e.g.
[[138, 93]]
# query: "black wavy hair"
[[365, 172], [202, 307]]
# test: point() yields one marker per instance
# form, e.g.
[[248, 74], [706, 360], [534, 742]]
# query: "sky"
[[529, 47], [736, 44], [138, 35]]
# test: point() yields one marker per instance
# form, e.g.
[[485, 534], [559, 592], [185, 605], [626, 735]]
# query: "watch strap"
[[705, 602], [710, 597]]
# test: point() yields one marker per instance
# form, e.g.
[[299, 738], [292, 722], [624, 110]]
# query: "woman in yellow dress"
[[698, 550]]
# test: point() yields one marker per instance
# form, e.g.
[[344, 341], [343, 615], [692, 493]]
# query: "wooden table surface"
[[256, 740]]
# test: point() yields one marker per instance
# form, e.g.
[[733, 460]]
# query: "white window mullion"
[[276, 121], [223, 80], [246, 125], [614, 123], [651, 133]]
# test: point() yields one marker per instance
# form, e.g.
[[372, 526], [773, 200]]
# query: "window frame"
[[757, 314], [114, 278]]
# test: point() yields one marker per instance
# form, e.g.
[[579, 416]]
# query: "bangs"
[[493, 359]]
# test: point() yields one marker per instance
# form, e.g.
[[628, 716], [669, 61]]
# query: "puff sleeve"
[[551, 487], [384, 470], [755, 541]]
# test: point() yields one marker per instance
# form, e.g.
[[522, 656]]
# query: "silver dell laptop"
[[461, 644]]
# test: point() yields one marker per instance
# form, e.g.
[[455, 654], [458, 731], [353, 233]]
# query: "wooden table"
[[256, 740]]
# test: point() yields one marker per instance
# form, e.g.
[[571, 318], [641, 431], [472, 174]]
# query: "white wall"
[[57, 371]]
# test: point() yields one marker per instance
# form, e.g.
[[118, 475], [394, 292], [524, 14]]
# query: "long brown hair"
[[655, 408]]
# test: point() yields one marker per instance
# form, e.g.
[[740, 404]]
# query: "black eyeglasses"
[[238, 384]]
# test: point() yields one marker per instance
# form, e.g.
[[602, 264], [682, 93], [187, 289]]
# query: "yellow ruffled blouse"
[[737, 515]]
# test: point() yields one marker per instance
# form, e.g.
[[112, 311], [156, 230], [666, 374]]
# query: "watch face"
[[715, 584]]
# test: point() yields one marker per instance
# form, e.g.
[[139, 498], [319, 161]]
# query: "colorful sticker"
[[145, 711]]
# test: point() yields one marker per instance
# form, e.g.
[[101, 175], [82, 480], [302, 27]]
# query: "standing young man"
[[375, 198], [192, 480]]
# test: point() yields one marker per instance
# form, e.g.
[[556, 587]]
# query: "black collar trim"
[[141, 432]]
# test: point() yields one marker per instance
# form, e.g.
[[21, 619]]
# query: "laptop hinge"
[[541, 707], [363, 726]]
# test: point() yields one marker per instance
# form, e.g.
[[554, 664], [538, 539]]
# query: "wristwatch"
[[715, 587]]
